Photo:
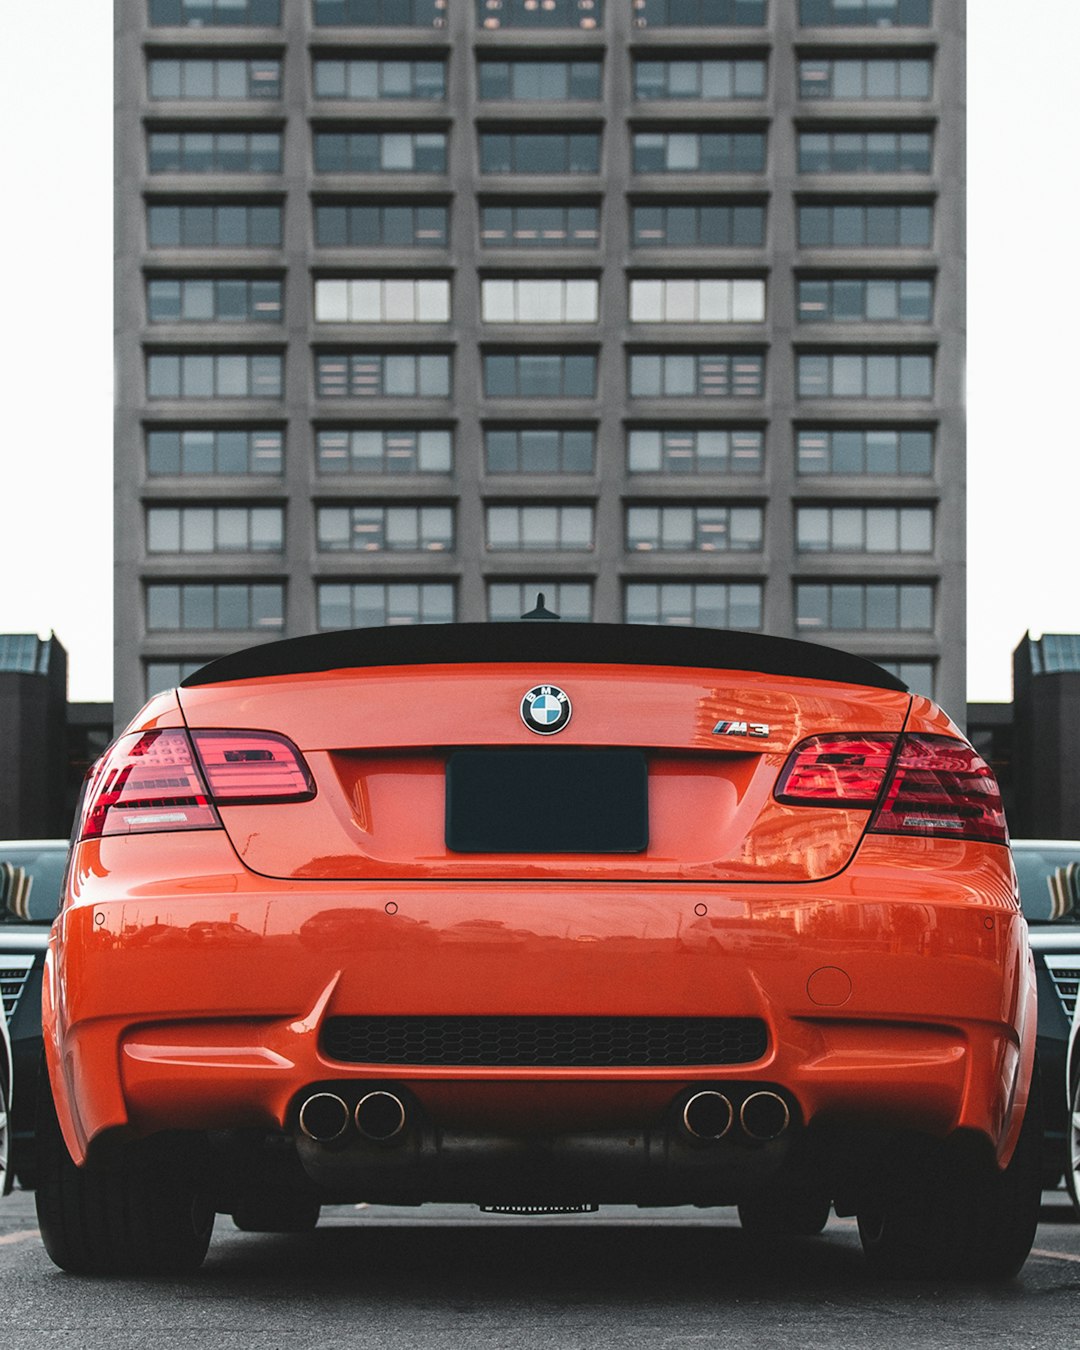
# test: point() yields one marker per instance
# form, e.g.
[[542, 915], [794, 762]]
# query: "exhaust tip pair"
[[710, 1115], [325, 1117]]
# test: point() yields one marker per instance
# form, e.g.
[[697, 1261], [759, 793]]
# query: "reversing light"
[[941, 786], [843, 770], [245, 767]]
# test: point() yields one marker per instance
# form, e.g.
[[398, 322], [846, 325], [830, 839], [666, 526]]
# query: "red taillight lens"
[[941, 786], [253, 766], [843, 770], [152, 780], [933, 785], [148, 781]]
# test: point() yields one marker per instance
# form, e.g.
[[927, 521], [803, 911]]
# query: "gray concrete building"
[[655, 306]]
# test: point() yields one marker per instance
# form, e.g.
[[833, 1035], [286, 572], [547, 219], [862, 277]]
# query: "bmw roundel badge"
[[546, 709]]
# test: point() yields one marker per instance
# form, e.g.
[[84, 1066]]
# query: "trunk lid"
[[662, 771]]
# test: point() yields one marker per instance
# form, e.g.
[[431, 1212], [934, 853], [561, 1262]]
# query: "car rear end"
[[545, 916]]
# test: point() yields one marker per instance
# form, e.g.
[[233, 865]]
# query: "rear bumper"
[[896, 997]]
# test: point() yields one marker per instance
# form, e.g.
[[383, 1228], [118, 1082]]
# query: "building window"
[[540, 300], [214, 375], [861, 226], [865, 375], [551, 528], [544, 152], [713, 80], [380, 79], [540, 81], [509, 600], [494, 14], [235, 225], [213, 300], [865, 152], [382, 300], [214, 81], [540, 375], [864, 529], [215, 13], [162, 675], [527, 225], [215, 529], [384, 604], [847, 606], [172, 606], [717, 528], [740, 225], [697, 300], [214, 151], [539, 450], [384, 450], [890, 452], [208, 451], [864, 13], [393, 225], [382, 375], [866, 300], [385, 529], [699, 151], [380, 13], [695, 450], [694, 604], [917, 675], [699, 13], [380, 151], [697, 375], [888, 79]]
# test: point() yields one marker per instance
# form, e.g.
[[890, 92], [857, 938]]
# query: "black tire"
[[785, 1213], [277, 1213], [5, 1137], [1072, 1146], [953, 1214], [144, 1213]]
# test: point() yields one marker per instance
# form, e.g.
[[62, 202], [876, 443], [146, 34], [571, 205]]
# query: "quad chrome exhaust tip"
[[708, 1115], [380, 1115], [764, 1116], [324, 1117]]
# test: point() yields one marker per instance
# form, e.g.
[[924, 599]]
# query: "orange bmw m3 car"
[[540, 917]]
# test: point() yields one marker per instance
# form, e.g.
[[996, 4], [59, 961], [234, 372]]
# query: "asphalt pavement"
[[449, 1276]]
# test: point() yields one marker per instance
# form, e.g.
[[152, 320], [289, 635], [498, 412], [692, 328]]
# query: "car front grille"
[[546, 1042], [1065, 973], [13, 974]]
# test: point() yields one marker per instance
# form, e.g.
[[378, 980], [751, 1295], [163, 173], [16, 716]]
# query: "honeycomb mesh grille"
[[543, 1042]]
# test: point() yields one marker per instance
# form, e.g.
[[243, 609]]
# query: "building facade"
[[47, 744], [654, 306]]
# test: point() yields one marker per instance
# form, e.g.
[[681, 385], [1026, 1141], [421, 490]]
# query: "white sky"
[[56, 371]]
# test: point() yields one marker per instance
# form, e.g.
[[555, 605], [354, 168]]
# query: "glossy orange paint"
[[190, 972]]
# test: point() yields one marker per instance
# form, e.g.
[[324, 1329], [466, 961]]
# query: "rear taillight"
[[836, 770], [154, 781], [147, 781], [253, 766], [941, 786], [919, 784]]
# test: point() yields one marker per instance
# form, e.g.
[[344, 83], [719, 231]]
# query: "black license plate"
[[547, 801]]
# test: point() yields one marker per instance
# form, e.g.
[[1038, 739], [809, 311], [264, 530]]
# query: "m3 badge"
[[723, 728]]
